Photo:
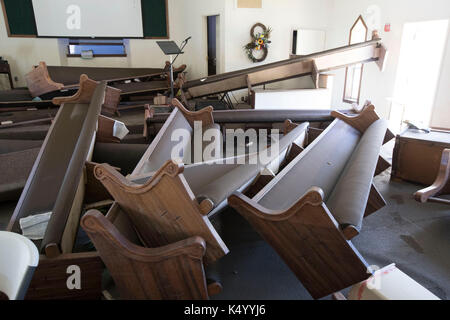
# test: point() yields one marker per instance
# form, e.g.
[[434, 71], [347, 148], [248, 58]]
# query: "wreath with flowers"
[[257, 49]]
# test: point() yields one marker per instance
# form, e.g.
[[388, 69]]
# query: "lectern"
[[170, 48]]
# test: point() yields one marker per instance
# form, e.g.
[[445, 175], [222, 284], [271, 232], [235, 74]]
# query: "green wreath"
[[260, 41]]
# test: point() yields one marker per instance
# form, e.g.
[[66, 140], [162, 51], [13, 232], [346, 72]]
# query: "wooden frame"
[[441, 186], [172, 272], [360, 18], [306, 235]]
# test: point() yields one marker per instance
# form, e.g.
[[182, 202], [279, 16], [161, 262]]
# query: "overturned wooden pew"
[[160, 150], [297, 66], [48, 81], [56, 185], [171, 272], [441, 185], [176, 202], [312, 209]]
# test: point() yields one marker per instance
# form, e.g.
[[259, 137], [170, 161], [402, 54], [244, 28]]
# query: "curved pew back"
[[172, 272]]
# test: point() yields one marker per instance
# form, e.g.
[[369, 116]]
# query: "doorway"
[[418, 72], [212, 23]]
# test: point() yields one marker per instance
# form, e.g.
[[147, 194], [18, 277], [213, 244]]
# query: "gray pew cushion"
[[319, 165], [349, 198]]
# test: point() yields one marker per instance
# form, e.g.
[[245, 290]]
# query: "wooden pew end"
[[350, 232]]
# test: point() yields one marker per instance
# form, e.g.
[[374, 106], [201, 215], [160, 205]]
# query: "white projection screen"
[[88, 18]]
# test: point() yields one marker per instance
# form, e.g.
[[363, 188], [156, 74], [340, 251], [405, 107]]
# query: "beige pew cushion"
[[348, 200]]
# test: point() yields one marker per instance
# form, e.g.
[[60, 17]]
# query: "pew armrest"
[[440, 186]]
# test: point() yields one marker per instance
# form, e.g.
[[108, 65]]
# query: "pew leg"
[[440, 186]]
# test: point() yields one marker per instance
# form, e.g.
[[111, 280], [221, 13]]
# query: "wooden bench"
[[172, 272], [56, 184], [40, 83], [175, 202], [316, 204], [160, 150], [389, 283]]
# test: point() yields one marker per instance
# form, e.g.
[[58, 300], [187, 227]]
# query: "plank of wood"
[[375, 201]]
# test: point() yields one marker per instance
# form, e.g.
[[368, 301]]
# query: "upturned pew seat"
[[180, 121], [176, 202], [316, 204]]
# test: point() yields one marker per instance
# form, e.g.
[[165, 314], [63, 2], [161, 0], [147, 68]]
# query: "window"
[[96, 48], [353, 74]]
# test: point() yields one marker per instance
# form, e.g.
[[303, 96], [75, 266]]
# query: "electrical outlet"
[[16, 78]]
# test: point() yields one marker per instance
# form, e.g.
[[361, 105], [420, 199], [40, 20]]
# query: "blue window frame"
[[97, 48]]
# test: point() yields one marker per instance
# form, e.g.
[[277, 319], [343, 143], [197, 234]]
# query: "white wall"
[[24, 53], [378, 86], [283, 16]]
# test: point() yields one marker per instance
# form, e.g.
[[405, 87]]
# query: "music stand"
[[170, 48]]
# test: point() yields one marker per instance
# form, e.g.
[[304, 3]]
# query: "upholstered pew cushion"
[[319, 165], [349, 198]]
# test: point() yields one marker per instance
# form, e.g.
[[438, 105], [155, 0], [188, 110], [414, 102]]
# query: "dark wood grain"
[[172, 272], [164, 209], [309, 240], [50, 278]]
